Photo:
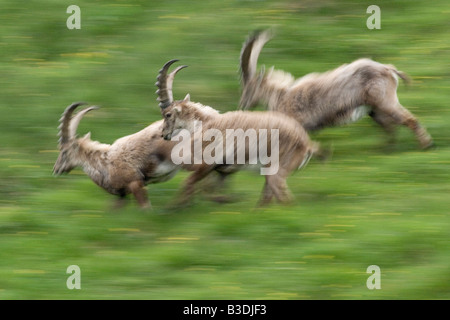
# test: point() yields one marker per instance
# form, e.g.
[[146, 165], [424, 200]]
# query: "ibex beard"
[[229, 146]]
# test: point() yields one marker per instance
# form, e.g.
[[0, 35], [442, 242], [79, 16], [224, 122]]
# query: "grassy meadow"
[[369, 204]]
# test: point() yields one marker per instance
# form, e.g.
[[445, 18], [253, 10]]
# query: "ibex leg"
[[137, 188]]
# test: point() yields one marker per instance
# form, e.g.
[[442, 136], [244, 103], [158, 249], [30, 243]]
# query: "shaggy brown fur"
[[336, 97], [294, 149]]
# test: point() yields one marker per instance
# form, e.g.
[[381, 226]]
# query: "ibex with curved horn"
[[290, 149], [336, 97], [121, 168]]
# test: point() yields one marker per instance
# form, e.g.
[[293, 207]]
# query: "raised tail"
[[403, 76], [400, 74], [314, 149]]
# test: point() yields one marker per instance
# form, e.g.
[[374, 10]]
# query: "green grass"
[[368, 205]]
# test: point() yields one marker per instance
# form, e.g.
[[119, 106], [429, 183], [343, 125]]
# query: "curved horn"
[[250, 53], [164, 83], [64, 135], [76, 121]]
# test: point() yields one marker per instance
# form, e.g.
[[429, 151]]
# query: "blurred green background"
[[368, 205]]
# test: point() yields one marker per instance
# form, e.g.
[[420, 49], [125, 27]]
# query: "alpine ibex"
[[121, 168], [215, 133], [336, 97]]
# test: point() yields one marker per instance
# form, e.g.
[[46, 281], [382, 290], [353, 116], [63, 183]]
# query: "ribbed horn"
[[64, 132], [73, 126], [164, 83]]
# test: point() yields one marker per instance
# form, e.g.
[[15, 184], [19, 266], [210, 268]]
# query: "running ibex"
[[121, 168], [215, 133], [336, 97]]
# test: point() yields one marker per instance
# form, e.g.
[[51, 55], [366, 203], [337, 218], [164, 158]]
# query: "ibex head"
[[250, 79], [169, 111], [68, 157]]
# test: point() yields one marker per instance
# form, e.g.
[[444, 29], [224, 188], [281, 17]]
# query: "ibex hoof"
[[429, 145]]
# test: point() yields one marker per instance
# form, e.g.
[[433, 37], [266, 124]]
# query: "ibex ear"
[[187, 98]]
